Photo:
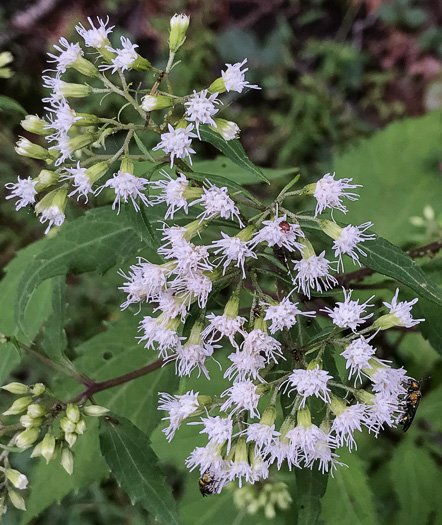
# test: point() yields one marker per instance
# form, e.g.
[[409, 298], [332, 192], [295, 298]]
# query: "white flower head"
[[144, 283], [193, 285], [126, 186], [345, 424], [96, 36], [62, 118], [313, 273], [177, 142], [402, 311], [191, 356], [234, 77], [218, 429], [67, 56], [200, 109], [349, 314], [217, 201], [241, 396], [329, 192], [233, 250], [283, 315], [261, 434], [245, 365], [64, 147], [207, 458], [80, 180], [179, 407], [357, 355], [348, 242], [310, 383], [124, 58], [223, 326], [24, 190], [171, 306], [389, 381], [381, 411], [278, 232], [159, 335], [172, 191], [258, 342]]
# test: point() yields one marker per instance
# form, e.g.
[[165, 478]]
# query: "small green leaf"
[[349, 498], [273, 260], [233, 150], [10, 104], [96, 241], [135, 465]]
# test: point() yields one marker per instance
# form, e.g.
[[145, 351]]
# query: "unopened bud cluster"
[[49, 426]]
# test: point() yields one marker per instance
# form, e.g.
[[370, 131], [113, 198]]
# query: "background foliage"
[[340, 83]]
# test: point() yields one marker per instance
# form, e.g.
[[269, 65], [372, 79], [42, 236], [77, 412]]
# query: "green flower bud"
[[51, 207], [37, 410], [152, 102], [5, 58], [67, 425], [67, 460], [217, 86], [26, 438], [331, 229], [178, 28], [19, 480], [127, 166], [71, 438], [48, 447], [16, 388], [39, 388], [80, 427], [95, 410], [85, 67], [26, 148], [386, 321], [27, 421], [35, 124], [227, 129], [337, 405], [269, 416], [18, 406], [36, 452], [86, 120], [70, 90], [73, 413], [141, 64], [16, 500], [45, 179], [81, 141]]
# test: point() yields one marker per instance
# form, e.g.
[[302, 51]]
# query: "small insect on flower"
[[208, 484], [285, 226], [410, 403]]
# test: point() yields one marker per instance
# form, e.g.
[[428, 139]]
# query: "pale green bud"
[[5, 58], [37, 410], [54, 201], [81, 141], [85, 67], [27, 421], [178, 28], [16, 388], [35, 124], [71, 438], [386, 321], [36, 452], [141, 64], [337, 405], [226, 128], [429, 213], [16, 500], [73, 413], [127, 166], [308, 250], [26, 148], [67, 460], [67, 425], [95, 410], [18, 406], [26, 438], [331, 229], [304, 417], [217, 86], [152, 102], [45, 179], [48, 447], [70, 90], [80, 427], [87, 119], [19, 480], [269, 416]]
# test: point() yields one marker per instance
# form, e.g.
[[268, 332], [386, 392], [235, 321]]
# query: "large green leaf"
[[51, 483], [97, 241], [415, 478], [135, 466], [348, 498], [233, 150], [399, 170], [310, 487], [116, 352], [54, 340]]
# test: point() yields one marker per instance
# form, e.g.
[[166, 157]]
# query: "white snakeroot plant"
[[224, 286]]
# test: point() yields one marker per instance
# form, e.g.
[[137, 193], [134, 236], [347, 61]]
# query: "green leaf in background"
[[233, 150], [141, 223], [9, 104], [97, 241], [431, 328], [37, 312], [415, 478], [54, 340], [135, 466], [399, 170], [349, 498], [51, 483], [310, 487], [387, 259], [116, 352]]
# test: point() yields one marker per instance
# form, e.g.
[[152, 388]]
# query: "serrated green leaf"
[[349, 498], [310, 487], [51, 483], [54, 340], [414, 476], [10, 104], [233, 150], [96, 241], [387, 259], [141, 223], [135, 465]]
